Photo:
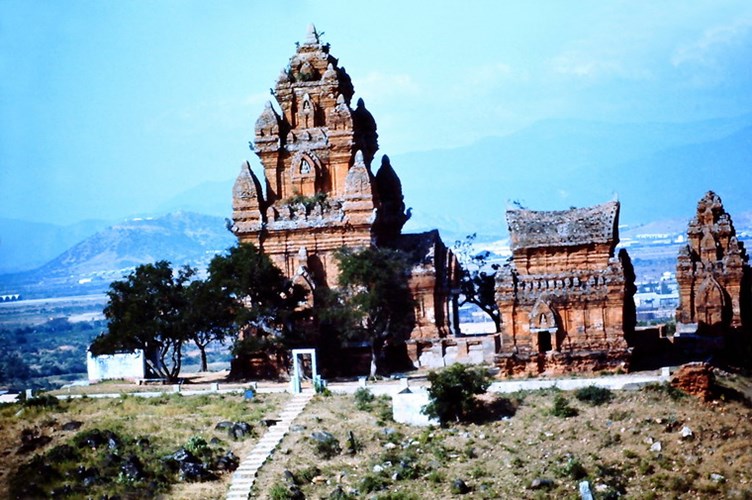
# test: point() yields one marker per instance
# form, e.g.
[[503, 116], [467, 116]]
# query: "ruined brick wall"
[[320, 191], [712, 273], [564, 289]]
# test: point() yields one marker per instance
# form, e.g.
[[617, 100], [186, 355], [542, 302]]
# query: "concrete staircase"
[[245, 475]]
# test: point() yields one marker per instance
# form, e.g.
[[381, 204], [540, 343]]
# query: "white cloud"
[[714, 42]]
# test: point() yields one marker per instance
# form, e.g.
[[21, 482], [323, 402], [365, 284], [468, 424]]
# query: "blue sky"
[[110, 108]]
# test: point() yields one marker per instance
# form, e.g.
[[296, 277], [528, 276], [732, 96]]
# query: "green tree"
[[453, 390], [374, 290], [477, 279], [209, 316], [266, 305], [146, 311]]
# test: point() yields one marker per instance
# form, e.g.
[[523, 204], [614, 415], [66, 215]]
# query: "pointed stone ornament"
[[312, 37]]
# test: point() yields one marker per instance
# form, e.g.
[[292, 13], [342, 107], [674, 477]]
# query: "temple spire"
[[312, 36]]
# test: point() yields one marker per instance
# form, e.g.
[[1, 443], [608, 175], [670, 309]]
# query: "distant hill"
[[27, 245], [181, 238], [657, 170]]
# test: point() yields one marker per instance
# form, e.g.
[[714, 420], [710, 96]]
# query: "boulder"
[[696, 379]]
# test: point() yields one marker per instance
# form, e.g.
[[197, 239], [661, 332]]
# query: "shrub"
[[325, 445], [363, 399], [452, 392], [574, 469], [593, 395], [562, 409], [373, 482]]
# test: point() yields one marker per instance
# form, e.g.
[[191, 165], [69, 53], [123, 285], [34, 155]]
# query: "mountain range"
[[657, 170]]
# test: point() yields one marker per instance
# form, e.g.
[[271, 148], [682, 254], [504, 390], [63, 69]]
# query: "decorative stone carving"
[[320, 192], [712, 273], [247, 202], [565, 291]]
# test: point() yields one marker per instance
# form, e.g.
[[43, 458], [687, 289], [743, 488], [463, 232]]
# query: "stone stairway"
[[245, 475]]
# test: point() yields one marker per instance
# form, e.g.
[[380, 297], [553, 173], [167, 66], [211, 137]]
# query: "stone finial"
[[268, 122], [358, 180], [246, 185], [312, 36], [330, 73]]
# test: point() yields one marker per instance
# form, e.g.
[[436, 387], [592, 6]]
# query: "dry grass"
[[609, 445], [169, 421]]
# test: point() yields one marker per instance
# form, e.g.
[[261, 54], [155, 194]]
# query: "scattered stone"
[[240, 430], [378, 469], [696, 379], [718, 478], [31, 440], [389, 446], [227, 462], [323, 436], [388, 431], [269, 422], [318, 479], [195, 472], [288, 477], [686, 433], [601, 488], [656, 447], [297, 428], [339, 494], [585, 491], [225, 424], [132, 468], [73, 425], [459, 487], [541, 483]]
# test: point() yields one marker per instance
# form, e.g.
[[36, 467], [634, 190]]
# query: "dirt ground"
[[632, 446]]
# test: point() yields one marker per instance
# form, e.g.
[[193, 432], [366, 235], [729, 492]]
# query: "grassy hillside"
[[87, 448], [613, 446]]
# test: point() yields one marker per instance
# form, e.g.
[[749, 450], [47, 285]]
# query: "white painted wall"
[[116, 366]]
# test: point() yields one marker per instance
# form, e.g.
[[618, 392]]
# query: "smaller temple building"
[[713, 274], [565, 297]]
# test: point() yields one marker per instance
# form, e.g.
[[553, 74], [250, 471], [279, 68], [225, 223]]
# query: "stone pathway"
[[245, 475]]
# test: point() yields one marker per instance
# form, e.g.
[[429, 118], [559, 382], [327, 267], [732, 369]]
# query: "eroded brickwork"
[[565, 298], [321, 193], [711, 273]]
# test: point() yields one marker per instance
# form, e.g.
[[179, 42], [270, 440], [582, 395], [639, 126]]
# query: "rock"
[[288, 477], [297, 428], [696, 379], [389, 446], [656, 447], [239, 430], [585, 492], [225, 424], [338, 494], [227, 462], [459, 487], [195, 472], [268, 422], [541, 483], [686, 433], [31, 439], [323, 436], [73, 425], [378, 469], [318, 479], [132, 468], [718, 478]]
